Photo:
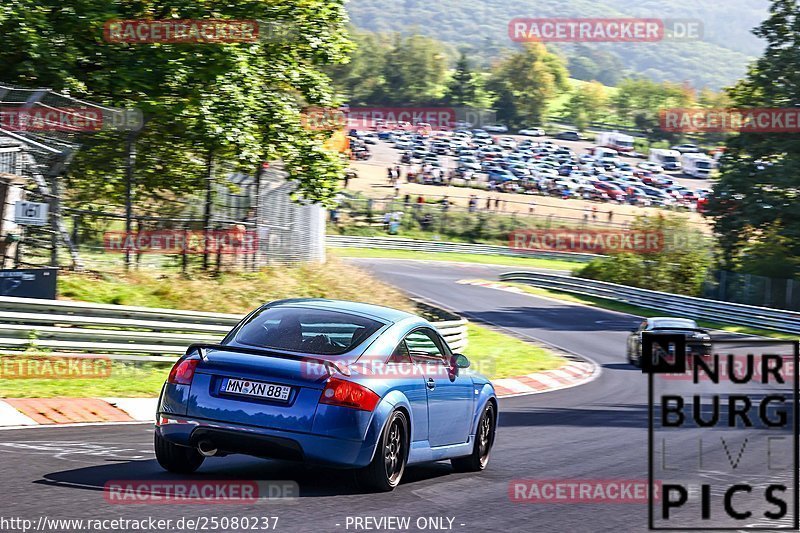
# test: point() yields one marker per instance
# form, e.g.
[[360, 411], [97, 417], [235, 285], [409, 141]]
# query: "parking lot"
[[543, 191]]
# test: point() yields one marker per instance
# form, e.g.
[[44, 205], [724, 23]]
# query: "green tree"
[[360, 81], [525, 83], [242, 98], [755, 200], [464, 85], [588, 63], [587, 103], [415, 71], [640, 101], [680, 266]]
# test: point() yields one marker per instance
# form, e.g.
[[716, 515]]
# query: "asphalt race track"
[[595, 431]]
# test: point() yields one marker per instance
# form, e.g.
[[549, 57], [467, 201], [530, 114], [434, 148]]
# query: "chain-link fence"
[[253, 223], [244, 221], [481, 221], [41, 130]]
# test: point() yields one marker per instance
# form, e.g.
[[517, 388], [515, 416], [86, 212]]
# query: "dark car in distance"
[[698, 341]]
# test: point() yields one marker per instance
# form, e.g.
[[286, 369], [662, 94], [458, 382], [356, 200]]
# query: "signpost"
[[29, 283], [30, 213]]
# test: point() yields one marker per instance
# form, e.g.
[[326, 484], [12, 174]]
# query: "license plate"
[[256, 389]]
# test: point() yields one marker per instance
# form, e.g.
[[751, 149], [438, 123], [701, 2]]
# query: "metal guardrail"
[[114, 329], [674, 304], [389, 243]]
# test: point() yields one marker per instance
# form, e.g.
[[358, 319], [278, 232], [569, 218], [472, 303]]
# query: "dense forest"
[[480, 28]]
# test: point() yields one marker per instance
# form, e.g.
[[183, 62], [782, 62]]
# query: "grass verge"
[[498, 355], [551, 264], [238, 292], [124, 379], [613, 305]]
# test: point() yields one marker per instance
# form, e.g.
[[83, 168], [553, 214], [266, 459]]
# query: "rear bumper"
[[267, 443]]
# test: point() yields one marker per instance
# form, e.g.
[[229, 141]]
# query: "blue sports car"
[[333, 383]]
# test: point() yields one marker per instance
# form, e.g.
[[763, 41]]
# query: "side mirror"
[[459, 361]]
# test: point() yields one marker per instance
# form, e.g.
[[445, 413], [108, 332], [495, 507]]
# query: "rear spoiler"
[[698, 329], [201, 349]]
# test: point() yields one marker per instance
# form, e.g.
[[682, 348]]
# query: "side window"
[[400, 354], [424, 347], [643, 326]]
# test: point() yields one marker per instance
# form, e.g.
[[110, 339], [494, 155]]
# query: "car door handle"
[[431, 384]]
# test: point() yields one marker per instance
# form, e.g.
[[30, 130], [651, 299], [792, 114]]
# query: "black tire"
[[386, 469], [484, 440], [174, 458]]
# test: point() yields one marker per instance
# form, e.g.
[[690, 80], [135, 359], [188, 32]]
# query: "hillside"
[[481, 28]]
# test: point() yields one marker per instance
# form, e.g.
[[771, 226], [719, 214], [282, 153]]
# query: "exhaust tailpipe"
[[206, 448]]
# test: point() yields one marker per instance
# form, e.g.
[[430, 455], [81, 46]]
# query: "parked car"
[[569, 136], [613, 191], [649, 166], [532, 132], [440, 148], [469, 162], [507, 142], [687, 148], [667, 159], [496, 128], [500, 175], [333, 383], [698, 341]]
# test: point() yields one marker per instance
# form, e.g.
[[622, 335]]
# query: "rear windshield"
[[310, 331], [674, 324]]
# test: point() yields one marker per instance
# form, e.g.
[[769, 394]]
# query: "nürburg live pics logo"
[[723, 440]]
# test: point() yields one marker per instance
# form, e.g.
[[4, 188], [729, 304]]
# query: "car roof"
[[386, 314], [671, 322]]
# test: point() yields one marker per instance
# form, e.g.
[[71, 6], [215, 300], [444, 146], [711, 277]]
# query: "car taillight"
[[183, 372], [348, 394]]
